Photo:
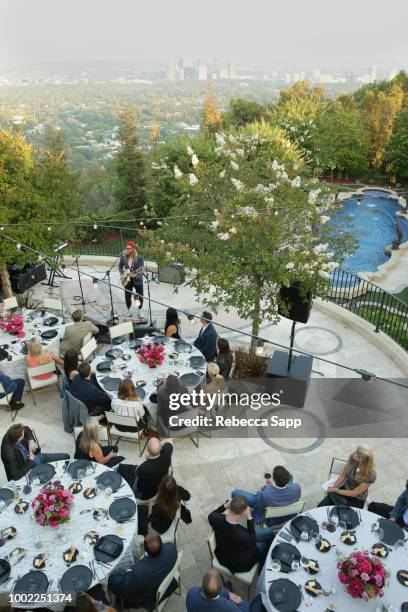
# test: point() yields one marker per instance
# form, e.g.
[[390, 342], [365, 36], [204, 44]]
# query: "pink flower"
[[353, 573], [365, 577], [364, 596]]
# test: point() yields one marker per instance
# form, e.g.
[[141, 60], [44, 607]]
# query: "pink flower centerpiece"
[[52, 506], [363, 576], [12, 324], [151, 354]]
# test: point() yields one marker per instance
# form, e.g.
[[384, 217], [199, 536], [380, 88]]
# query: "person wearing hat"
[[131, 272]]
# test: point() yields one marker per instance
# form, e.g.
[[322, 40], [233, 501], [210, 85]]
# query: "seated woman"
[[163, 511], [397, 513], [351, 487], [128, 404], [171, 326], [216, 381], [224, 357], [87, 446], [71, 362], [37, 356], [172, 387]]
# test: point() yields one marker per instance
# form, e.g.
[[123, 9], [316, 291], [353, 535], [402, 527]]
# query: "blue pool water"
[[372, 221]]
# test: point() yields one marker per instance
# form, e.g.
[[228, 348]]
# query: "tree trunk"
[[5, 279], [256, 324]]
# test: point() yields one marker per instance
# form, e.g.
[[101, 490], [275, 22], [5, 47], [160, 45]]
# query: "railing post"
[[377, 327]]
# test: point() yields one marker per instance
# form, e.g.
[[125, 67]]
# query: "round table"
[[36, 539], [394, 593], [141, 372], [33, 326]]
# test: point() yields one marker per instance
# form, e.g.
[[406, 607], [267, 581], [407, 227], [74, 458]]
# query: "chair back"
[[336, 467], [88, 348], [282, 511], [121, 419], [212, 543], [175, 573], [5, 400], [45, 368], [10, 303], [86, 338], [171, 534], [52, 304], [121, 330], [75, 412]]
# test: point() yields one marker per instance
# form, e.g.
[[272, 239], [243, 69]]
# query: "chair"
[[86, 338], [231, 372], [175, 573], [52, 304], [10, 303], [39, 385], [5, 401], [171, 534], [283, 512], [186, 432], [246, 578], [88, 349], [127, 421], [336, 468], [121, 330]]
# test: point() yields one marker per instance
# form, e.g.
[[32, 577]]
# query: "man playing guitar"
[[131, 275]]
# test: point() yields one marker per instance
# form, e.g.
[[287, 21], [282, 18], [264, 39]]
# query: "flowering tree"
[[252, 224]]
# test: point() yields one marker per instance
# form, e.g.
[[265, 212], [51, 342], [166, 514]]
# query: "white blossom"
[[275, 165], [290, 265], [193, 179], [190, 150], [224, 236], [313, 195], [324, 219], [233, 230], [194, 160], [177, 172], [237, 184], [248, 210], [270, 200], [240, 152], [234, 165], [320, 248], [222, 174], [296, 182], [214, 224], [220, 140]]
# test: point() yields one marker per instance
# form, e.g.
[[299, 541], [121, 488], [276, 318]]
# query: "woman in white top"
[[128, 404]]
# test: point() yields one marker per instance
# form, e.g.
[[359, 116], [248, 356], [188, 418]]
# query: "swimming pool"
[[371, 218]]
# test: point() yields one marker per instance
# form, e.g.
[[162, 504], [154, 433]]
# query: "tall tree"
[[212, 119], [241, 112], [396, 154], [130, 185]]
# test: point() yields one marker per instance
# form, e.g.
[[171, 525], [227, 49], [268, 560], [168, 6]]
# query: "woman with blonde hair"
[[351, 487], [37, 356], [216, 381], [87, 446], [128, 404]]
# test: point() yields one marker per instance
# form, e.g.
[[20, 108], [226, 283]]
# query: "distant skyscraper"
[[373, 74], [171, 72], [202, 72]]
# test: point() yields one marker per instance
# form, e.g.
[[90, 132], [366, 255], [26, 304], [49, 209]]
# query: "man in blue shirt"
[[280, 490], [14, 386], [206, 342], [214, 596]]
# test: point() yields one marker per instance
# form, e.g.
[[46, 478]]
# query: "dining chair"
[[125, 421], [122, 329], [5, 401], [10, 303], [36, 384], [88, 349], [186, 432], [283, 512], [174, 574]]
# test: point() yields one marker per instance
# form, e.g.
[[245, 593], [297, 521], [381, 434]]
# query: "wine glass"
[[100, 487], [379, 533], [304, 536], [343, 525], [334, 519], [81, 475], [108, 492], [315, 537], [276, 565], [36, 481], [295, 565]]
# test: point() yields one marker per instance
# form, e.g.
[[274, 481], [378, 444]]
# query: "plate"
[[118, 340], [379, 550], [191, 379], [316, 586], [285, 554], [21, 507], [103, 366], [114, 353], [33, 582], [9, 533], [122, 509], [76, 466], [348, 537], [75, 488], [402, 576], [5, 570], [6, 494], [310, 565], [90, 493], [285, 595], [99, 514], [135, 344], [323, 545], [141, 383], [159, 340], [126, 357], [50, 321], [303, 523], [17, 553], [3, 355], [48, 334], [196, 361], [91, 537], [346, 515], [108, 547], [392, 531], [404, 607], [182, 347], [76, 579], [43, 471], [110, 384], [111, 479], [70, 554], [39, 561]]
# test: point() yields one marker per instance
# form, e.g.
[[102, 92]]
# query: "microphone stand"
[[114, 317], [81, 297], [146, 275]]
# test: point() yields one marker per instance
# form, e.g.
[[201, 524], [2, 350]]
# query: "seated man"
[[138, 585], [238, 547], [75, 333], [397, 513], [18, 452], [206, 342], [280, 490], [151, 471], [214, 596], [88, 392], [14, 386]]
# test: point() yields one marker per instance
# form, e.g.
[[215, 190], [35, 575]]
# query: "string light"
[[49, 228], [94, 282], [95, 226], [18, 246]]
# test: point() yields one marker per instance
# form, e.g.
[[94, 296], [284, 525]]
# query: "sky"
[[337, 33]]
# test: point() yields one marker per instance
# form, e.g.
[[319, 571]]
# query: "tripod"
[[81, 297], [114, 318]]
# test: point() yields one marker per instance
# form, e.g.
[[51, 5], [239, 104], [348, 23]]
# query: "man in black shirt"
[[150, 472], [87, 391], [238, 548]]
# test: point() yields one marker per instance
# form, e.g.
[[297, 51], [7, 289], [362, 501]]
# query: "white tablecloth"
[[33, 326], [75, 530], [394, 593]]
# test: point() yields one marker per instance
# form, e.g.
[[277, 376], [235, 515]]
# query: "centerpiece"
[[52, 506], [151, 354], [363, 575], [12, 324]]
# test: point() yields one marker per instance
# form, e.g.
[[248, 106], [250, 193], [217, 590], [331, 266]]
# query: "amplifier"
[[173, 274], [25, 280]]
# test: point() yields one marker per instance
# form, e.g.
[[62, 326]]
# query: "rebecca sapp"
[[221, 421]]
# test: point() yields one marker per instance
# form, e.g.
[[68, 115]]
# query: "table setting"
[[19, 326], [64, 528], [336, 558]]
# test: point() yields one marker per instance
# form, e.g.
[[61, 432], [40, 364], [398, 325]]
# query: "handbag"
[[185, 515], [183, 494]]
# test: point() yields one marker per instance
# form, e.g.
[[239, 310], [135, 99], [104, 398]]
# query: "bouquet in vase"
[[151, 354], [12, 324], [363, 576], [52, 506]]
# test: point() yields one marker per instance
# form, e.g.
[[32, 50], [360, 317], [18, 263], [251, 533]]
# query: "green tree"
[[241, 112], [212, 119], [396, 154], [130, 185]]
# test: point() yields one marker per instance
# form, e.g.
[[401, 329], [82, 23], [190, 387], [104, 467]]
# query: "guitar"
[[125, 278]]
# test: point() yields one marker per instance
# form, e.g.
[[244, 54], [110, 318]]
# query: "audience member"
[[37, 356], [351, 487], [85, 603], [138, 585], [280, 490], [172, 388], [238, 547], [224, 357], [397, 513], [87, 446], [214, 596], [19, 452], [206, 342], [215, 382], [75, 333], [14, 386], [163, 511], [151, 471], [70, 371], [172, 324], [127, 403], [86, 389]]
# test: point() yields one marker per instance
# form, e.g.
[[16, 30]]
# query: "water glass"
[[275, 565], [36, 481], [343, 525], [100, 487], [108, 492], [295, 565], [304, 536], [315, 537], [81, 475]]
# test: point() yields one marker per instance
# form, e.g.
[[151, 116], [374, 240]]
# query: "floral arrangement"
[[52, 506], [12, 324], [363, 576], [151, 354]]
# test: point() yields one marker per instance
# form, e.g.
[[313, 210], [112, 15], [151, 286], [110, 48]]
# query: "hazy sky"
[[314, 32]]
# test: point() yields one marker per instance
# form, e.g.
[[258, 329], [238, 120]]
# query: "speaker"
[[297, 305], [20, 282], [174, 274]]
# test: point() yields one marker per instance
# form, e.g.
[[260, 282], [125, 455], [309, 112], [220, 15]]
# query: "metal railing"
[[104, 241], [385, 311]]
